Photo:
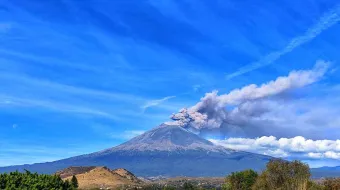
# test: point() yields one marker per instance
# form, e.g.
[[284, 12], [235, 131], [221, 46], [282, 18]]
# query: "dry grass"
[[102, 177]]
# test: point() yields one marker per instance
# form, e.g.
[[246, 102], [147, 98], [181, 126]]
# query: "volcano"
[[166, 150]]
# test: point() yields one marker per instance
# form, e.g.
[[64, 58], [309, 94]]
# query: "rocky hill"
[[100, 177], [74, 170]]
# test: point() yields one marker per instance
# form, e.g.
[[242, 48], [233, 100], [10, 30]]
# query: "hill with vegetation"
[[100, 177], [278, 175]]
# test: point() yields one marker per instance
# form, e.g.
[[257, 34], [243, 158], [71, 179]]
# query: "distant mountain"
[[164, 151], [326, 172]]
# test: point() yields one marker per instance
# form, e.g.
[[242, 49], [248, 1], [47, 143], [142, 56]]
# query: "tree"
[[242, 180], [32, 181], [188, 186], [67, 185], [281, 174], [169, 188], [74, 182], [226, 186]]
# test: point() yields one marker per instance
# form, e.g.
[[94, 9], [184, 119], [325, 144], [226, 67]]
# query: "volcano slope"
[[163, 151]]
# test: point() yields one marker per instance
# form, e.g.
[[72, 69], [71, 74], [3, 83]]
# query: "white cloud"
[[328, 154], [276, 153], [326, 21], [284, 147], [153, 103], [331, 154], [316, 155]]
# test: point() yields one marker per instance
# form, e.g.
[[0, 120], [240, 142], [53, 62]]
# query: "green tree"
[[188, 186], [32, 181], [242, 180], [74, 182], [226, 186], [283, 175], [169, 188], [67, 185]]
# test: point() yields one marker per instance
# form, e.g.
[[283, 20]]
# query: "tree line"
[[35, 181], [279, 175]]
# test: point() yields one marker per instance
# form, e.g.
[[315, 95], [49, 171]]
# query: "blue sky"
[[80, 76]]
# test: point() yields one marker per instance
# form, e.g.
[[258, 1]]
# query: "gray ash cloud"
[[252, 106]]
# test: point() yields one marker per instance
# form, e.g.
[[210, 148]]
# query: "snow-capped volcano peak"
[[169, 138]]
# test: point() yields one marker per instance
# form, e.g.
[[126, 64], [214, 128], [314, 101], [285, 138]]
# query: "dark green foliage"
[[226, 186], [169, 188], [152, 187], [243, 180], [33, 181], [188, 186], [184, 186], [74, 182], [67, 185]]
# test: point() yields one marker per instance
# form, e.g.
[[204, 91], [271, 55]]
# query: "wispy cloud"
[[196, 87], [126, 135], [154, 103], [56, 106], [68, 88], [328, 20]]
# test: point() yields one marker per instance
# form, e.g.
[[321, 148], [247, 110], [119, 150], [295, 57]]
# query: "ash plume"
[[250, 105]]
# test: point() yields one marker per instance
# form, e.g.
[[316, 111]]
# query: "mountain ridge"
[[166, 150]]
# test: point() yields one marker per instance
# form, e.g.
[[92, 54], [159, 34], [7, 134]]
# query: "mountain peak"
[[168, 138], [167, 150]]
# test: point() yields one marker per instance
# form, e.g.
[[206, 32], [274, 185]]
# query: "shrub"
[[74, 182], [169, 188], [281, 174], [332, 183], [315, 186], [188, 186], [243, 180], [33, 181]]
